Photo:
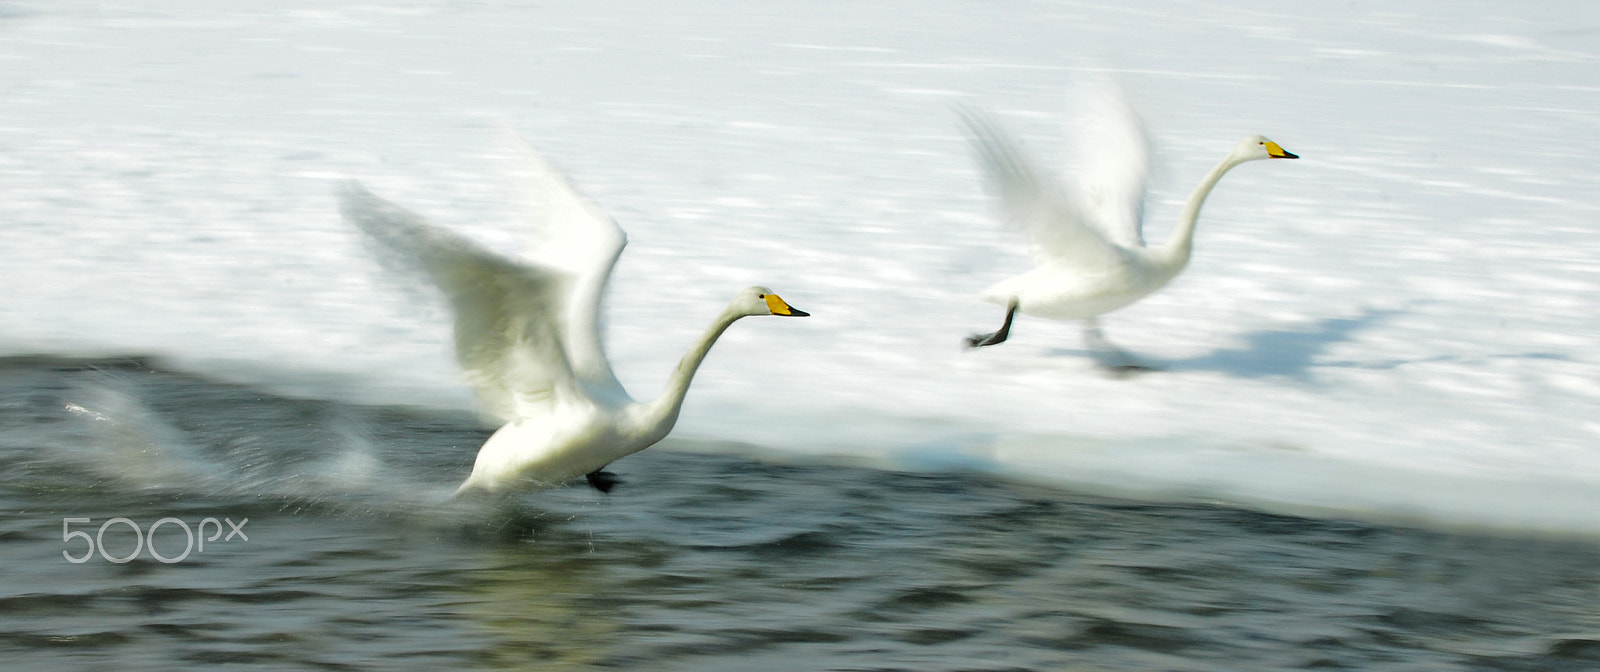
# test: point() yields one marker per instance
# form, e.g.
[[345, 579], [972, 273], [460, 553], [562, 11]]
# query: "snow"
[[1402, 321]]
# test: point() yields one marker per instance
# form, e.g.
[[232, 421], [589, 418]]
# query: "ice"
[[1405, 319]]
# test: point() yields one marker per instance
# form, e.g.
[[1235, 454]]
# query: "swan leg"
[[602, 480], [1115, 359], [995, 337]]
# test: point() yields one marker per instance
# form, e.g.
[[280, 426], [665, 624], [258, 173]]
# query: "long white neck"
[[661, 413], [1177, 249]]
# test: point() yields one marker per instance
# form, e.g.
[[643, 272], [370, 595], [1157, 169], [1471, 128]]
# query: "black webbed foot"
[[995, 337], [1114, 360], [603, 481], [991, 338]]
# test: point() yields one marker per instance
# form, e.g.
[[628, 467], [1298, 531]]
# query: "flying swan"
[[1089, 253], [527, 332]]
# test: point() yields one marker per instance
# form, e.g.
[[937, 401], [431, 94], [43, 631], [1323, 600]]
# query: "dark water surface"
[[700, 561]]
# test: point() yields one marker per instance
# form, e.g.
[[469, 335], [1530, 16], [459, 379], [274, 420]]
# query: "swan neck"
[[1179, 247], [663, 411]]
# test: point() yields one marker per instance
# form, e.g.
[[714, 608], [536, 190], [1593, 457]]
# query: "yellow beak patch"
[[1276, 152], [778, 307]]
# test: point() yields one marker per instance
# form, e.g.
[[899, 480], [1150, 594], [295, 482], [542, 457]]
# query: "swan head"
[[761, 301], [1256, 147]]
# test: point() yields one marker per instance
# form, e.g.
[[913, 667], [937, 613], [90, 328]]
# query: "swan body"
[[527, 332], [579, 434], [1088, 248]]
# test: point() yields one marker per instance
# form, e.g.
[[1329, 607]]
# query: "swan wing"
[[508, 333], [1033, 204], [1114, 167], [562, 229]]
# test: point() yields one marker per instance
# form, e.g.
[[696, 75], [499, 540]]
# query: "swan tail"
[[466, 486]]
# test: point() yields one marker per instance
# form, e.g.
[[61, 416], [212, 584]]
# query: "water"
[[1371, 442], [704, 559]]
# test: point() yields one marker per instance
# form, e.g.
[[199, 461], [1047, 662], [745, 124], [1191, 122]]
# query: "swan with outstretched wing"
[[527, 332], [1089, 252]]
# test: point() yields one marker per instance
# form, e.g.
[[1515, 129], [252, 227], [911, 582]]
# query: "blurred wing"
[[562, 229], [1032, 204], [508, 316], [1115, 166]]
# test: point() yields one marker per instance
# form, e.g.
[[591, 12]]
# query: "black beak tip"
[[796, 312], [1289, 155]]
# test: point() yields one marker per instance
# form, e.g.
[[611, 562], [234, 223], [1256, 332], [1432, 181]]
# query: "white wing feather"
[[1033, 204], [508, 316], [1114, 171], [561, 229]]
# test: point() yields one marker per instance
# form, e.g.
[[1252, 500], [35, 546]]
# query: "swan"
[[1089, 253], [527, 332]]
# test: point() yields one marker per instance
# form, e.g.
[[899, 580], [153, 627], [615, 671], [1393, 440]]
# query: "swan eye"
[[761, 296]]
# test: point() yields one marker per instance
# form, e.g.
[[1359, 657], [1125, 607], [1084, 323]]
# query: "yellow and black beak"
[[778, 307], [1276, 152]]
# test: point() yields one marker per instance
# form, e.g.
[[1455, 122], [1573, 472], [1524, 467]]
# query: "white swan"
[[1088, 250], [527, 333]]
